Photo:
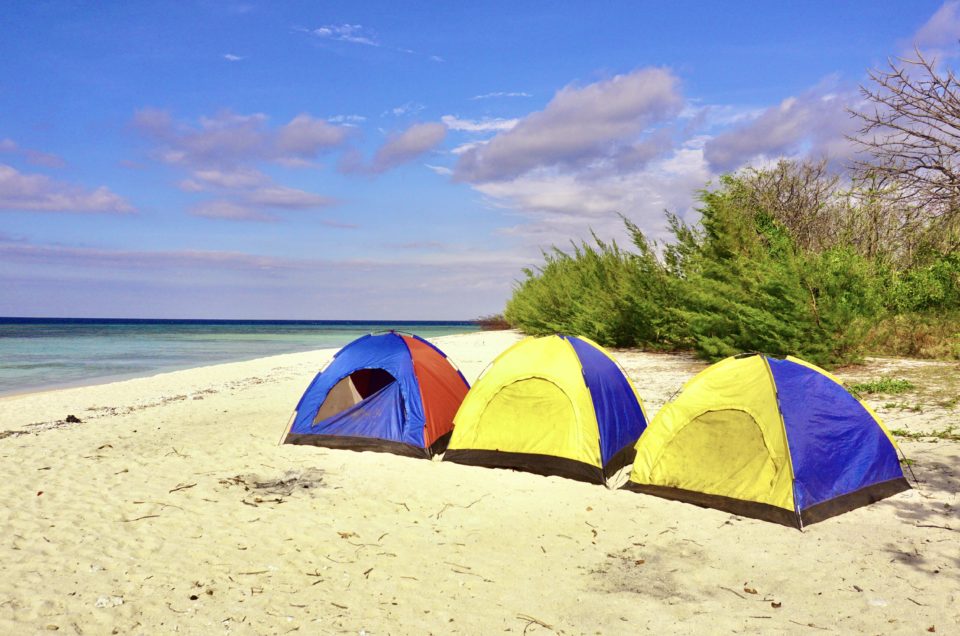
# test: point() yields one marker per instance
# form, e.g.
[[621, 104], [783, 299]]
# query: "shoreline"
[[122, 377], [272, 538]]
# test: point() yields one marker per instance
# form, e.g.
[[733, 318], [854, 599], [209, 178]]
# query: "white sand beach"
[[171, 508]]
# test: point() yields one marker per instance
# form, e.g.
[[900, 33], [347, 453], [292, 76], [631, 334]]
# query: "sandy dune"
[[170, 508]]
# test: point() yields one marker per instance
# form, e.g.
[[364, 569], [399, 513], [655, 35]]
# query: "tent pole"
[[286, 429]]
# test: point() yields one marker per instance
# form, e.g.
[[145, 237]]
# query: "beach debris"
[[139, 518], [181, 487], [750, 590], [347, 535], [733, 591], [292, 480], [108, 601], [51, 627], [530, 620], [450, 505], [776, 604], [72, 419]]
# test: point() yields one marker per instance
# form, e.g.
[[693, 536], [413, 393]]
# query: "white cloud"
[[40, 193], [812, 124], [230, 57], [353, 33], [410, 108], [399, 148], [470, 145], [940, 34], [33, 157], [440, 170], [230, 211], [305, 136], [487, 124], [579, 125], [229, 139], [501, 94], [236, 178], [347, 119], [276, 196]]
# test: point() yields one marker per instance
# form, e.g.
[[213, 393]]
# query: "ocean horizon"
[[38, 354]]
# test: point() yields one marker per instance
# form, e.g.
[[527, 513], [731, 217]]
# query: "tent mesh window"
[[723, 448], [352, 389]]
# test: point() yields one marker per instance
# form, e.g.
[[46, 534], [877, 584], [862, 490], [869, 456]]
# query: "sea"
[[46, 353]]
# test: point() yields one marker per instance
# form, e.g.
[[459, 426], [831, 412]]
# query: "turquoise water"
[[38, 353]]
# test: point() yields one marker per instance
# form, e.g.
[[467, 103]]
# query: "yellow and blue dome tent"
[[557, 405], [776, 439]]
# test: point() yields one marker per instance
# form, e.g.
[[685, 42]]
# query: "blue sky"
[[351, 160]]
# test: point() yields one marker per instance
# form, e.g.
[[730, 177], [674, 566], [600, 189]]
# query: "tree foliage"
[[781, 261]]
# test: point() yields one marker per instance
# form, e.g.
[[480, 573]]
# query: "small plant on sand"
[[949, 433], [887, 386]]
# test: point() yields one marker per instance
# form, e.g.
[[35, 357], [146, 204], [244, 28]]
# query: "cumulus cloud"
[[305, 136], [579, 125], [40, 193], [407, 145], [813, 124], [940, 34], [222, 152], [560, 206], [228, 138]]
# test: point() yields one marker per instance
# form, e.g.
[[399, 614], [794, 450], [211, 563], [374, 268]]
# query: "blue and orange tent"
[[386, 392], [558, 405], [777, 439]]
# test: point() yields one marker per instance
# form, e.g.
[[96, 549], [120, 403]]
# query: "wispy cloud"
[[443, 171], [33, 157], [347, 119], [487, 124], [502, 94], [178, 282], [410, 108], [230, 57], [40, 193], [353, 33], [230, 211]]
